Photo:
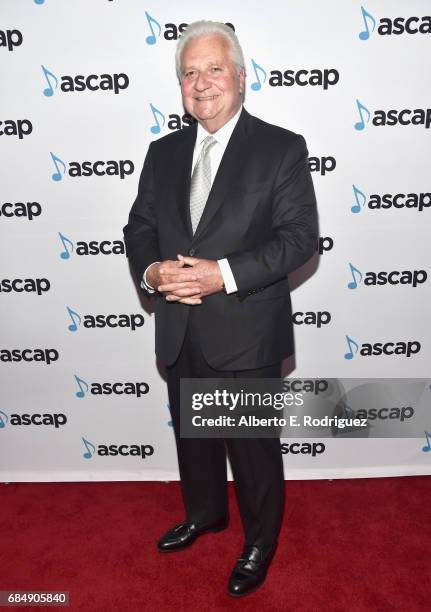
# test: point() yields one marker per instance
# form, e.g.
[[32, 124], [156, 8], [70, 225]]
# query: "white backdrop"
[[362, 60]]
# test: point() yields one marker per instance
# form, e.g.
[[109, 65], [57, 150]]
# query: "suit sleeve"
[[294, 230], [140, 233]]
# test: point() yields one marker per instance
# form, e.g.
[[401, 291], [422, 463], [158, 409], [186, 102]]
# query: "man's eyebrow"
[[210, 63], [188, 67]]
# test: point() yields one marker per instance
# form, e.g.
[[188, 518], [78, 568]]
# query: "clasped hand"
[[187, 285]]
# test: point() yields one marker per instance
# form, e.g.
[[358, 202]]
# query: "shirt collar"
[[223, 134]]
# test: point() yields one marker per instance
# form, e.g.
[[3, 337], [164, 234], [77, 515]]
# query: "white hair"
[[201, 28]]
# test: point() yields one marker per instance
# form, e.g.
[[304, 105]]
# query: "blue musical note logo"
[[427, 448], [351, 343], [360, 200], [155, 129], [366, 16], [67, 246], [83, 387], [353, 284], [76, 320], [49, 91], [57, 175], [152, 38], [91, 449], [257, 85], [3, 419], [361, 124]]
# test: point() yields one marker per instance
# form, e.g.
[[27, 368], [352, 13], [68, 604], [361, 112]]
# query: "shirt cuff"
[[144, 284], [228, 279]]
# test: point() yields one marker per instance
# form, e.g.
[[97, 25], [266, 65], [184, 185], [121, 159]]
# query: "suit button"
[[191, 252]]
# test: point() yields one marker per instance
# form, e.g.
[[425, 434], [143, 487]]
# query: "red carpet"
[[346, 545]]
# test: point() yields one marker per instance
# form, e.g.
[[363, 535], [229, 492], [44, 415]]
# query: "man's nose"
[[202, 82]]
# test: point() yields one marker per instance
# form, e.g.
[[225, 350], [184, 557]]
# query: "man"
[[225, 210]]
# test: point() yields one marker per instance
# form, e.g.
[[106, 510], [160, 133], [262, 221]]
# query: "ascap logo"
[[395, 277], [173, 121], [27, 210], [45, 355], [368, 349], [322, 317], [28, 285], [100, 321], [383, 414], [303, 448], [304, 385], [121, 168], [93, 247], [418, 201], [171, 31], [18, 127], [113, 450], [92, 82], [53, 420], [110, 388], [397, 25], [379, 118], [10, 39], [315, 77]]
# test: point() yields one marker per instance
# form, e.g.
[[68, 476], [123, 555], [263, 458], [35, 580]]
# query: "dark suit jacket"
[[260, 214]]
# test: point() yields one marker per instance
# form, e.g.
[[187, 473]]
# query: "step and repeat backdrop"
[[86, 86]]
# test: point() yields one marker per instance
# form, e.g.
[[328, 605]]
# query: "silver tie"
[[201, 182]]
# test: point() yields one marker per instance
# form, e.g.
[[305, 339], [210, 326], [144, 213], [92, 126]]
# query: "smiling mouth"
[[206, 98]]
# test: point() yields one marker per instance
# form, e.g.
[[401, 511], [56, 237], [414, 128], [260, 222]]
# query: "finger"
[[181, 272], [190, 261], [191, 301], [175, 287], [183, 293], [185, 277]]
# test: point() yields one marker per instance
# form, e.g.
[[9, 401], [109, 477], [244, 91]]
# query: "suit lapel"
[[226, 173], [181, 176]]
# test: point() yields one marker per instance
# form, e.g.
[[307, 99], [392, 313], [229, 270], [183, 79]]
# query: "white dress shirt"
[[215, 153]]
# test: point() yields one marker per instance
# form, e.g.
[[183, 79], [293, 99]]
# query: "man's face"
[[210, 83]]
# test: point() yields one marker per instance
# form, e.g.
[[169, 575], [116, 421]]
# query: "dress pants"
[[257, 465]]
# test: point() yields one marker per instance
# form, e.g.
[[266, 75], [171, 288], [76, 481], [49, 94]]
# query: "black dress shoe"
[[183, 535], [250, 570]]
